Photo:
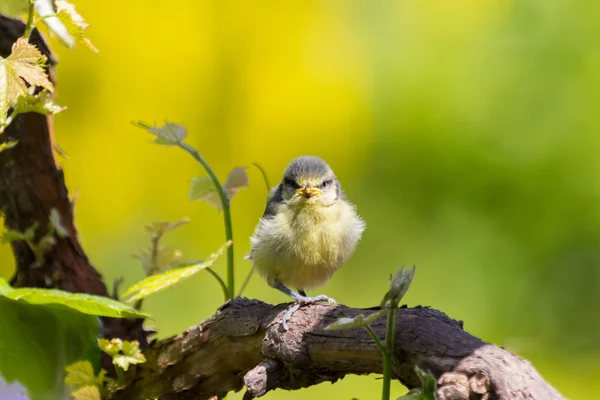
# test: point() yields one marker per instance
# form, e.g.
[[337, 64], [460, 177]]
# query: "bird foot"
[[300, 301]]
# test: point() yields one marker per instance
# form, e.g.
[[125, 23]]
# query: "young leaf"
[[131, 355], [81, 373], [202, 187], [88, 392], [162, 227], [166, 258], [74, 23], [24, 64], [110, 347], [41, 103], [123, 353], [169, 134], [237, 179], [156, 283], [7, 145], [61, 232], [85, 303]]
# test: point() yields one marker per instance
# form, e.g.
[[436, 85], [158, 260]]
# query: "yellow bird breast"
[[303, 246]]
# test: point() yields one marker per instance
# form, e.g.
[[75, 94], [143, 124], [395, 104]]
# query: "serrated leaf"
[[88, 392], [81, 373], [55, 222], [203, 188], [428, 383], [7, 145], [169, 134], [84, 303], [24, 64], [131, 355], [162, 227], [110, 347], [170, 278], [123, 353], [74, 23], [42, 103]]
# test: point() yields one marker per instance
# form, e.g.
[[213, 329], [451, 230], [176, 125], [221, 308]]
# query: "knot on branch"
[[458, 386]]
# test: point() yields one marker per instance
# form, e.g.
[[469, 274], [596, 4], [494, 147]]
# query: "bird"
[[308, 230]]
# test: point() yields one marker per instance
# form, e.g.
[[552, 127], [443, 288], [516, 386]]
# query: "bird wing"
[[274, 200]]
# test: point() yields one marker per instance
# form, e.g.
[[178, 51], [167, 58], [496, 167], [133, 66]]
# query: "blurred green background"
[[466, 133]]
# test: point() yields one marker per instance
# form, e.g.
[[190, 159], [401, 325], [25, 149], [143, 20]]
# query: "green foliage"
[[38, 340], [7, 145], [169, 134], [167, 279], [399, 285], [428, 390], [86, 393], [202, 187], [123, 353], [173, 135], [84, 303], [158, 258], [81, 373], [74, 23]]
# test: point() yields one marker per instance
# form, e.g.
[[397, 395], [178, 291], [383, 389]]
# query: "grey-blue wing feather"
[[274, 200]]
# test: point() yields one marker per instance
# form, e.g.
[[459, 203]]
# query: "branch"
[[244, 345], [32, 185]]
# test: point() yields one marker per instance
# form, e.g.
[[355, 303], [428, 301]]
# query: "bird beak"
[[309, 192]]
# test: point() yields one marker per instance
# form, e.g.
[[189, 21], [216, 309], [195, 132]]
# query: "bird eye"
[[326, 183], [290, 182]]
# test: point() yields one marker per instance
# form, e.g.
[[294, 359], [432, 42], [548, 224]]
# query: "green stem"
[[390, 338], [29, 26], [226, 215], [221, 283], [264, 175], [378, 343]]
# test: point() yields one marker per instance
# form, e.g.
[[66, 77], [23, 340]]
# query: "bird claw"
[[303, 301]]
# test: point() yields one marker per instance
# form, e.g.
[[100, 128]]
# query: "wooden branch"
[[31, 185], [244, 345]]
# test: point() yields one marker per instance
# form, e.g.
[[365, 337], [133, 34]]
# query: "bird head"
[[309, 180]]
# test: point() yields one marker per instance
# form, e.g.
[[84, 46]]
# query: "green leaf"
[[74, 23], [203, 188], [55, 223], [156, 283], [123, 353], [166, 258], [41, 103], [85, 303], [8, 145], [169, 134], [357, 322], [24, 64], [162, 227], [81, 373], [11, 236], [428, 384], [37, 342], [110, 347], [86, 393], [14, 8]]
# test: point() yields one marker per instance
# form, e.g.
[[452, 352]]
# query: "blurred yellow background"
[[466, 133]]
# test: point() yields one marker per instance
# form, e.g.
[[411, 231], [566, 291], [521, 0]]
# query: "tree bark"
[[243, 343]]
